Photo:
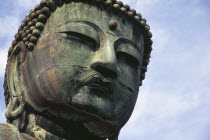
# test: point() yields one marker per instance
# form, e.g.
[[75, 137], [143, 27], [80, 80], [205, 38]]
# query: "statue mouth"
[[93, 95], [97, 83], [101, 87]]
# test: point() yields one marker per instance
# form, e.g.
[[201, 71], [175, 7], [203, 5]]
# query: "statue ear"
[[15, 83]]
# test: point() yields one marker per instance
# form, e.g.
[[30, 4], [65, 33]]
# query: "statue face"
[[82, 68]]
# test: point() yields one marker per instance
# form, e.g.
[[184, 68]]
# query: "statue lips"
[[97, 83], [104, 87]]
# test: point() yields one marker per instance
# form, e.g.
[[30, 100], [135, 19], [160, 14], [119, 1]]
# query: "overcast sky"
[[174, 102]]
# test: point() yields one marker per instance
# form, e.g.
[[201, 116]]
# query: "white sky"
[[174, 101]]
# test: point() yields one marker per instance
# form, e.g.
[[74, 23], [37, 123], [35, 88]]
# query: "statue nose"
[[105, 62]]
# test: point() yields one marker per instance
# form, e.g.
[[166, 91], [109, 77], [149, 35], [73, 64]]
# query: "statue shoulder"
[[9, 132]]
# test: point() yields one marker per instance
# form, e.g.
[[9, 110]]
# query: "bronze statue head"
[[79, 61]]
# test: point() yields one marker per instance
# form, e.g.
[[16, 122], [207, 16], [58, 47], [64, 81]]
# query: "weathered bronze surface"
[[74, 70]]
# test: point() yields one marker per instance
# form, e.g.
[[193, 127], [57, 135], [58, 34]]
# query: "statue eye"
[[82, 32], [86, 39], [128, 59], [128, 54]]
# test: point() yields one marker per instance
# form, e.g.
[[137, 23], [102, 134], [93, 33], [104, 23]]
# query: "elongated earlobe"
[[13, 110], [16, 103]]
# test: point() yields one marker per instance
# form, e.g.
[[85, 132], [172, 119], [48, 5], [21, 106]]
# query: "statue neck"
[[41, 128]]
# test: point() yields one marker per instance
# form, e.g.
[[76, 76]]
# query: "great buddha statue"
[[74, 71]]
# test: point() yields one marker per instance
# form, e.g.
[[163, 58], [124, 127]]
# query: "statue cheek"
[[129, 77], [43, 89], [125, 102], [52, 86]]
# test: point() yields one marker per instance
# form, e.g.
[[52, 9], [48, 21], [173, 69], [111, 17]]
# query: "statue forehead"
[[84, 12]]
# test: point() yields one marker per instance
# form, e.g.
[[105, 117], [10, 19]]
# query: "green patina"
[[74, 69]]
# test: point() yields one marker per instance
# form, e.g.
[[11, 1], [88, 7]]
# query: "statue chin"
[[92, 101], [102, 129]]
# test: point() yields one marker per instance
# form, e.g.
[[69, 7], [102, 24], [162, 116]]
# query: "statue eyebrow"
[[127, 40], [85, 22]]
